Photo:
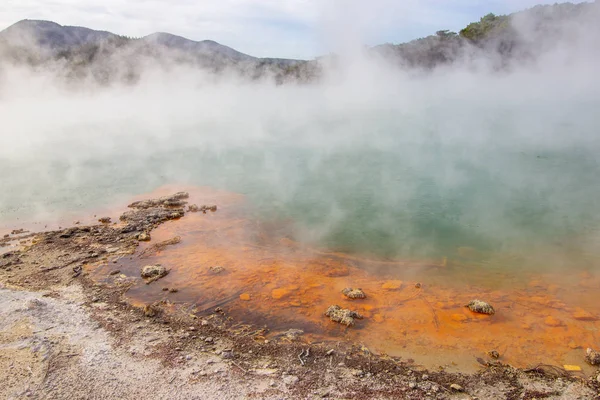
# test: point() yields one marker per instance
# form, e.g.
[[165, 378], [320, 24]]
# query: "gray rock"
[[153, 271], [290, 380], [352, 293], [480, 307], [592, 357], [342, 316]]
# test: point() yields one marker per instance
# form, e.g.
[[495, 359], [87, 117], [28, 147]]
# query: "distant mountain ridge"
[[55, 37], [504, 40], [85, 52], [50, 35]]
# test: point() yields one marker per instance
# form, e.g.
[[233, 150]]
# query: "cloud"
[[266, 28]]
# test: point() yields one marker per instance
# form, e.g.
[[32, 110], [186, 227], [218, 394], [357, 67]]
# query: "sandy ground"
[[64, 336]]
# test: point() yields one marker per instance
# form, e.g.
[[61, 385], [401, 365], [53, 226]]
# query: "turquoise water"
[[419, 200], [489, 181]]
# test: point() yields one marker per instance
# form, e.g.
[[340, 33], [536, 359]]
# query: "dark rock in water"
[[592, 357], [342, 315], [104, 220], [354, 293], [153, 272], [481, 307], [175, 200], [417, 285], [204, 208], [115, 272]]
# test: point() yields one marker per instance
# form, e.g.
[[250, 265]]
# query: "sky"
[[267, 28]]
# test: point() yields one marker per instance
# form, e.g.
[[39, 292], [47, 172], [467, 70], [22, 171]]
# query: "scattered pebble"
[[456, 387], [290, 380]]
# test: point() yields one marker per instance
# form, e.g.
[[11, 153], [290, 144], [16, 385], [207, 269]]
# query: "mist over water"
[[376, 161]]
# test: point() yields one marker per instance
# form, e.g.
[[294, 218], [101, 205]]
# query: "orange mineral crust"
[[413, 308]]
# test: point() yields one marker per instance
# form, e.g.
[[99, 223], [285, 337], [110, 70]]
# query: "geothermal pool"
[[270, 279], [473, 185]]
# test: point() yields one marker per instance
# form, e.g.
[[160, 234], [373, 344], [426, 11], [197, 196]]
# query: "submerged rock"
[[553, 322], [354, 293], [392, 285], [592, 357], [153, 272], [481, 307], [104, 220], [342, 315], [216, 269], [583, 315], [203, 208]]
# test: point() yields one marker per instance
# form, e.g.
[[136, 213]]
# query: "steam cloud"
[[370, 157]]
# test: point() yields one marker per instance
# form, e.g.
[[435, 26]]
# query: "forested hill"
[[504, 39]]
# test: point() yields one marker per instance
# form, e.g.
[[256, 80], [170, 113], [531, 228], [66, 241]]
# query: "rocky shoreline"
[[194, 355]]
